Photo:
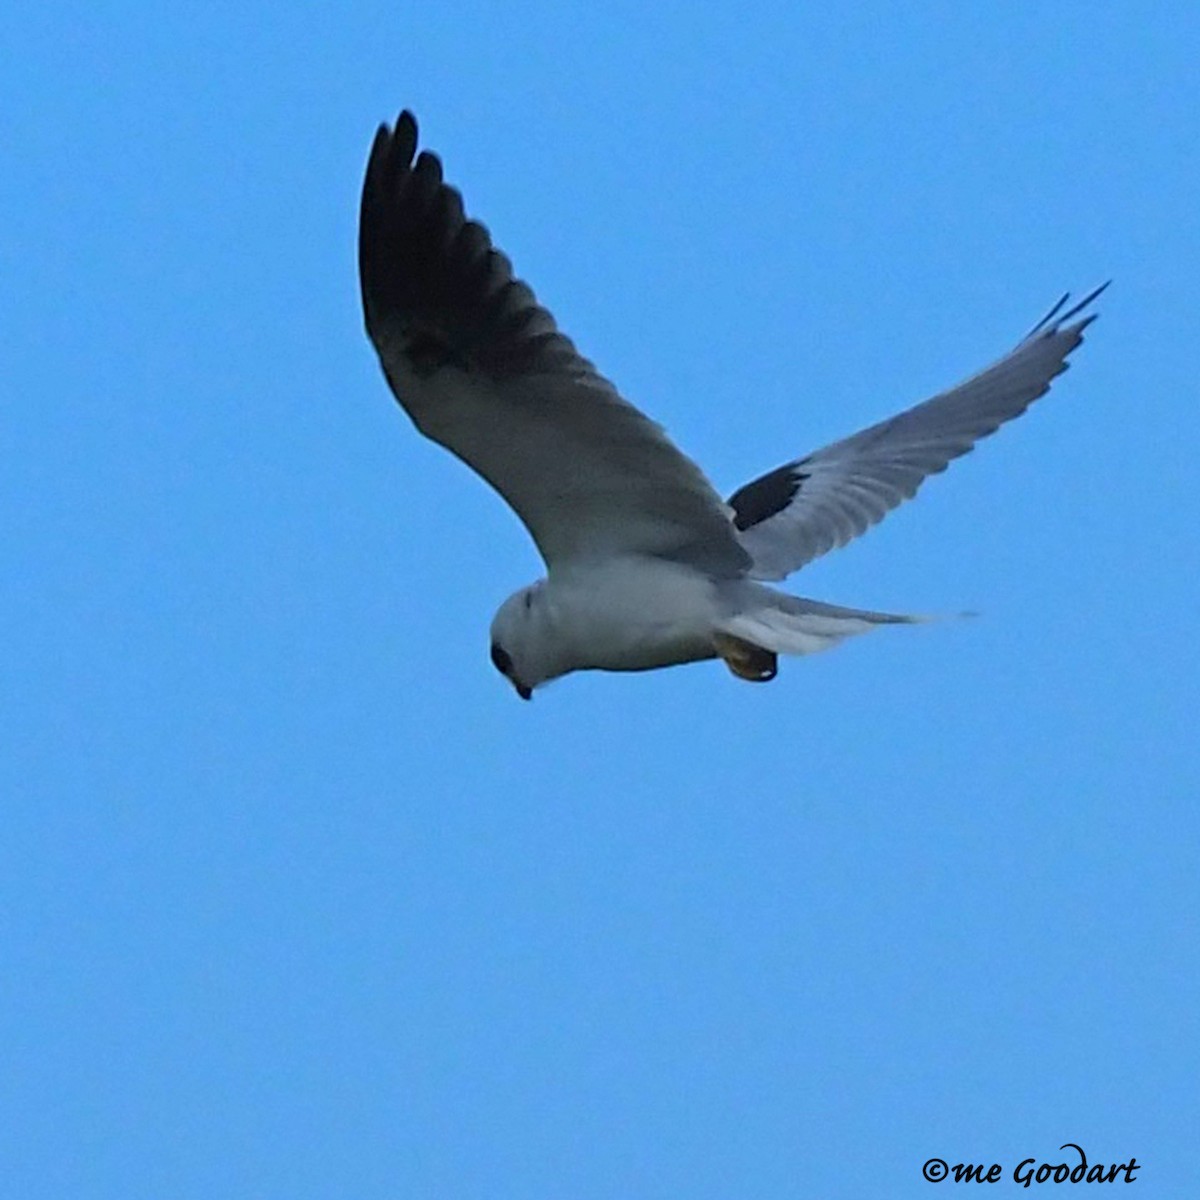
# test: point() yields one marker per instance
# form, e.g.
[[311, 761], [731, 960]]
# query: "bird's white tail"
[[792, 625]]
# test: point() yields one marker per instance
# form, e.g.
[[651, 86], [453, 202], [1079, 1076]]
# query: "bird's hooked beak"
[[502, 661]]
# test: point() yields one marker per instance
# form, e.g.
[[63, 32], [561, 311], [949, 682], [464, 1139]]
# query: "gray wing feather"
[[482, 369], [812, 505]]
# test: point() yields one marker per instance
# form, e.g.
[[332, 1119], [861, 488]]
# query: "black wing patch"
[[767, 495]]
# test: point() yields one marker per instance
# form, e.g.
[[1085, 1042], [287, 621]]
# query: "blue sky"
[[300, 901]]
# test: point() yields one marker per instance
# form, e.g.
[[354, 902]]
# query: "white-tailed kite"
[[646, 565]]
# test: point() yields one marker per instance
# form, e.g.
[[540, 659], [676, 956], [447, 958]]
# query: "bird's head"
[[522, 642]]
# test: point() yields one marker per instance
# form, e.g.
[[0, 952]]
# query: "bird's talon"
[[746, 660]]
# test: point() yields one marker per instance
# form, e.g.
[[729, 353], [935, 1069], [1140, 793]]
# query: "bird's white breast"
[[630, 614]]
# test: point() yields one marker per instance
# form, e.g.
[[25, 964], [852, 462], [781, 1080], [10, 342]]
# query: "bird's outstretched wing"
[[481, 368], [805, 508]]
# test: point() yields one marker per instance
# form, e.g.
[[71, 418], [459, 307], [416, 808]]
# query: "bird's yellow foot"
[[745, 659]]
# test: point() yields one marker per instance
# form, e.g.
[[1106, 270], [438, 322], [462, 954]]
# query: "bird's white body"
[[637, 613], [622, 614]]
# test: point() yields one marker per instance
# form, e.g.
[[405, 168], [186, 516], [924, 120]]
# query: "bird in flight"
[[646, 565]]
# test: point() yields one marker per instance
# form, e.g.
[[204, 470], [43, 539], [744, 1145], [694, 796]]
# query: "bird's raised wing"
[[805, 508], [481, 368]]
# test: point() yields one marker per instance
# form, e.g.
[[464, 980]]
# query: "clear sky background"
[[297, 899]]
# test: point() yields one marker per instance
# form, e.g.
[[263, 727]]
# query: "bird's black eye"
[[528, 600], [501, 660]]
